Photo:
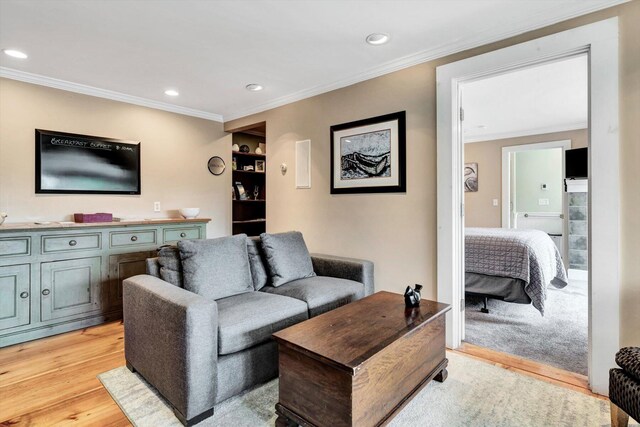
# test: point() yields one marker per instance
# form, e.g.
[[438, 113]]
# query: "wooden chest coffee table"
[[360, 364]]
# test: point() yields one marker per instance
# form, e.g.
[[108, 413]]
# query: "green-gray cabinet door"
[[70, 287], [14, 296], [123, 266]]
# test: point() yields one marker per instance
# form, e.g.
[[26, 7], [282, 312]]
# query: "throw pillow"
[[216, 268], [258, 272], [287, 257], [170, 265]]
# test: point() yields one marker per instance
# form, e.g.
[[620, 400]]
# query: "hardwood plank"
[[31, 349], [550, 374], [61, 384], [79, 347], [94, 408]]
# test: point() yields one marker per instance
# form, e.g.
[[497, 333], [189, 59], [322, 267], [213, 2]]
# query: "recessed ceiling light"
[[377, 39], [15, 53], [253, 87], [171, 92]]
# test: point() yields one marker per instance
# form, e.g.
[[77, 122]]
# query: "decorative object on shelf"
[[242, 194], [256, 192], [189, 213], [3, 215], [216, 165], [234, 164], [248, 168], [262, 147], [96, 217], [235, 147], [92, 164], [259, 150], [470, 177], [369, 156], [260, 165], [412, 296], [233, 193], [244, 148], [283, 168]]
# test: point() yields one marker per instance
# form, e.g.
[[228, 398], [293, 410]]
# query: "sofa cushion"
[[170, 265], [216, 268], [287, 257], [321, 293], [249, 319], [628, 358], [258, 272]]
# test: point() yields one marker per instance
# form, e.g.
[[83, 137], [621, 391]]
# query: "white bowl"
[[189, 213]]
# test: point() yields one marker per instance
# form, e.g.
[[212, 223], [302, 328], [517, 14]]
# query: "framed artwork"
[[369, 156], [470, 177], [259, 165]]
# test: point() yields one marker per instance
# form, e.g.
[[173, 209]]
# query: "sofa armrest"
[[171, 339], [345, 268]]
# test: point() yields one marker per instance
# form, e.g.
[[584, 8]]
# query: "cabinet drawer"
[[13, 246], [70, 242], [182, 233], [133, 238]]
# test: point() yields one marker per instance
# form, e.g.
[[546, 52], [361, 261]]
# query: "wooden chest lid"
[[348, 336]]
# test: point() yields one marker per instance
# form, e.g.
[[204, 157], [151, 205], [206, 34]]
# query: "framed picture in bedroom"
[[369, 156], [470, 177]]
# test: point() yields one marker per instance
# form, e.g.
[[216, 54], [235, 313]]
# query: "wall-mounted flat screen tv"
[[68, 163], [577, 163]]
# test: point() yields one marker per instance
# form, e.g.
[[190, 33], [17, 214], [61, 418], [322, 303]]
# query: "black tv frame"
[[39, 190]]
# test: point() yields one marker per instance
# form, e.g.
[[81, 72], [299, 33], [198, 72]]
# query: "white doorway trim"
[[600, 40], [507, 184]]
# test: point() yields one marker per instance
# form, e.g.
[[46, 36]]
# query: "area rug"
[[559, 339], [476, 393]]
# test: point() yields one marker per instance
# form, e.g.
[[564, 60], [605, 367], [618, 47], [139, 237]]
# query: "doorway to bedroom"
[[517, 128]]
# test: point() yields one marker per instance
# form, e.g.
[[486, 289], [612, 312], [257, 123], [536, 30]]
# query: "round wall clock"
[[216, 165]]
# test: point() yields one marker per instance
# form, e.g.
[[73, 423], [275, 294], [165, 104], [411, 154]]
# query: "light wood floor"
[[53, 381]]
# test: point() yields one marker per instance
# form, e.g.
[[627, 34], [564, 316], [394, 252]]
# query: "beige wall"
[[174, 150], [480, 211], [398, 231]]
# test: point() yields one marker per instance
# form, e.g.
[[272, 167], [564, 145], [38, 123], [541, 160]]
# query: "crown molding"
[[41, 80], [482, 39], [470, 139]]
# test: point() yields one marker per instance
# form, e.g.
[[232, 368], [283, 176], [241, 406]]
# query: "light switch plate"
[[495, 202]]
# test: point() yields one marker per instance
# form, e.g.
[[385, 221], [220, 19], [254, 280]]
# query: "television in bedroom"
[[68, 163], [576, 163]]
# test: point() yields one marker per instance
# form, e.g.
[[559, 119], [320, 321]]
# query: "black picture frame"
[[41, 133], [399, 184]]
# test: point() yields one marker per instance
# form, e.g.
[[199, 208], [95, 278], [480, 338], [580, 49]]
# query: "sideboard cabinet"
[[59, 277]]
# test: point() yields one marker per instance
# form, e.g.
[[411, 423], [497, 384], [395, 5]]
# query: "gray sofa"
[[198, 352]]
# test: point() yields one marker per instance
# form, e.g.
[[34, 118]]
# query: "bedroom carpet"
[[475, 394], [559, 339]]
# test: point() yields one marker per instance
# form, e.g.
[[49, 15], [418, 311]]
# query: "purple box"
[[96, 217]]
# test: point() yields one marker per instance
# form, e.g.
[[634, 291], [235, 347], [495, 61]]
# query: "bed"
[[512, 265]]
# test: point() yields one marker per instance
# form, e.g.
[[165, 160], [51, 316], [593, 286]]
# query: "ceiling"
[[547, 98], [133, 50]]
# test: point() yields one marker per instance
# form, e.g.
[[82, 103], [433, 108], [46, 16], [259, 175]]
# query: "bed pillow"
[[287, 257], [258, 272], [216, 268], [170, 265]]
